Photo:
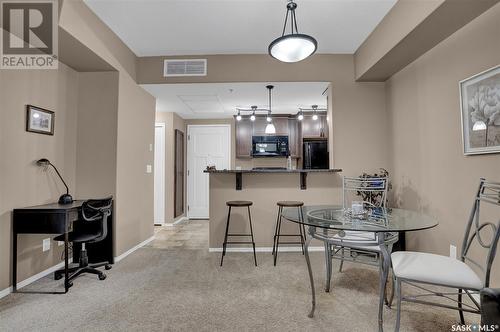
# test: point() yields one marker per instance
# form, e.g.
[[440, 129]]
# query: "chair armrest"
[[490, 306]]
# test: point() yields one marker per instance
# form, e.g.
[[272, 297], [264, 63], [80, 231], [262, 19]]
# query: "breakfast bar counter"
[[265, 187]]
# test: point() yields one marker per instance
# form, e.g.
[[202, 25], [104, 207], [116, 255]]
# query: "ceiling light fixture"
[[315, 114], [300, 117], [252, 117], [292, 47], [270, 128], [238, 117]]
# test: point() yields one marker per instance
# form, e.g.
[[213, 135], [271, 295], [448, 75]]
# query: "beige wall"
[[430, 172], [21, 182], [358, 122], [135, 131], [134, 187], [97, 134]]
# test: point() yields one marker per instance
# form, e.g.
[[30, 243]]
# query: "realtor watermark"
[[474, 328], [29, 34]]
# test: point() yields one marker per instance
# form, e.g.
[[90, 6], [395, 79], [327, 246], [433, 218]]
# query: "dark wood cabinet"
[[294, 137], [314, 128], [285, 126], [244, 131], [281, 125]]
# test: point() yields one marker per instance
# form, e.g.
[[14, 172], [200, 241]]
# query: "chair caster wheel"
[[107, 267], [57, 276], [102, 276]]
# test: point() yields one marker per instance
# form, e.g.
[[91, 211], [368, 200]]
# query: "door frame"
[[188, 153], [163, 173]]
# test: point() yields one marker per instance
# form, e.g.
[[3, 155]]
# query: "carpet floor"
[[175, 284]]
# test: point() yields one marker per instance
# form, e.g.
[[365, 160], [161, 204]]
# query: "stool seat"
[[239, 203], [290, 203]]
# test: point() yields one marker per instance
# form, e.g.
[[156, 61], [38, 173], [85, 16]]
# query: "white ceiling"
[[219, 100], [193, 27]]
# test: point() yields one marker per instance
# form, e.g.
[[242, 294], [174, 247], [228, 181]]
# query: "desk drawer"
[[42, 223]]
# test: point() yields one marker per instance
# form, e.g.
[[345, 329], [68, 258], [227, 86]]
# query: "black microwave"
[[270, 146]]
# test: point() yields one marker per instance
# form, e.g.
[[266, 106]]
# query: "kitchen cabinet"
[[243, 131], [259, 126], [281, 125], [314, 128], [294, 137]]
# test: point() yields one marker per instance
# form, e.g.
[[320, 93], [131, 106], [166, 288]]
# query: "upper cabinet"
[[314, 128], [285, 126], [244, 131]]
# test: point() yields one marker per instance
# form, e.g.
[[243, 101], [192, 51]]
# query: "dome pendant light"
[[270, 128], [294, 46]]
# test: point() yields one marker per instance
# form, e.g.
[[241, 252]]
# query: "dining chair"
[[357, 246], [460, 276]]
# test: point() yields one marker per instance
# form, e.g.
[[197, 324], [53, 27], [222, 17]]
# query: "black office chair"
[[93, 211]]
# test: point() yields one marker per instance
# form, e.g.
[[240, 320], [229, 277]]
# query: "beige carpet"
[[174, 284]]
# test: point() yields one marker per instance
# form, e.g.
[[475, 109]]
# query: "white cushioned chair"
[[420, 269]]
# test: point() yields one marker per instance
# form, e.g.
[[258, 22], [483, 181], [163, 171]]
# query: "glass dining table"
[[331, 222]]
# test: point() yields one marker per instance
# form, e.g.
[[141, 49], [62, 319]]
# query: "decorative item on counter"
[[374, 197], [289, 162], [211, 168]]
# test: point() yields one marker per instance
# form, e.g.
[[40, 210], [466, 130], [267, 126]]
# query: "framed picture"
[[39, 120], [480, 107]]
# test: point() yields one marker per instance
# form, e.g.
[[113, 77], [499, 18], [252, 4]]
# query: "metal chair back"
[[487, 194], [371, 191]]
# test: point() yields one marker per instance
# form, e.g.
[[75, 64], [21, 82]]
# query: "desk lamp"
[[65, 198]]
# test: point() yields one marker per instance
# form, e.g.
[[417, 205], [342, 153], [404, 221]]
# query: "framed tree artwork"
[[480, 107]]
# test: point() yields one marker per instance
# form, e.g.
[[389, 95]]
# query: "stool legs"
[[226, 235], [277, 233], [251, 233]]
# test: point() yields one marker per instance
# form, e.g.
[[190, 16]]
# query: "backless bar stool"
[[232, 204], [277, 230]]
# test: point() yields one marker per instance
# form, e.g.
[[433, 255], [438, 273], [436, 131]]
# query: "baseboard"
[[33, 278], [131, 250], [266, 249]]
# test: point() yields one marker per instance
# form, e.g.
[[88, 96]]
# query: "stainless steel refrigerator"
[[315, 154]]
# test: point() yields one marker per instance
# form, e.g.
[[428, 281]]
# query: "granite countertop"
[[271, 170]]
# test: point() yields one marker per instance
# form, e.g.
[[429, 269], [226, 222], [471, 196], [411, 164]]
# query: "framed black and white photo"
[[480, 107], [39, 120]]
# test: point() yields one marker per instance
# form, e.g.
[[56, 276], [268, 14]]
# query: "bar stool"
[[277, 230], [232, 204]]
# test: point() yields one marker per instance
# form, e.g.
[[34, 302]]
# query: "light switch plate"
[[453, 251], [149, 169], [150, 147], [46, 244]]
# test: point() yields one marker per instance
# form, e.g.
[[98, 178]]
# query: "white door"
[[159, 175], [207, 145]]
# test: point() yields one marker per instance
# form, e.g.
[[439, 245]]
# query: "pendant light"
[[315, 112], [238, 117], [252, 117], [270, 128], [300, 117], [292, 47]]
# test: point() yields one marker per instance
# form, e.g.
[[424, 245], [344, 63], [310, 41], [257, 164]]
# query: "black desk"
[[58, 219]]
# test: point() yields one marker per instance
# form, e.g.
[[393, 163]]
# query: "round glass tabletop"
[[377, 220]]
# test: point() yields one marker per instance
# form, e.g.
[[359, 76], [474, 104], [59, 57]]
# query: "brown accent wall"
[[22, 183], [172, 122], [430, 172]]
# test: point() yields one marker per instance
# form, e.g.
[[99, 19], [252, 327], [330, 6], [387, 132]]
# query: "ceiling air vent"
[[188, 67]]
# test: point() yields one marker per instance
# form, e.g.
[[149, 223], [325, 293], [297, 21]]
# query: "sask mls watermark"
[[29, 34]]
